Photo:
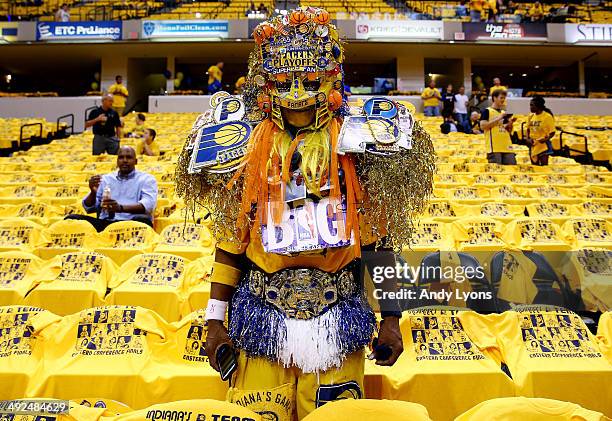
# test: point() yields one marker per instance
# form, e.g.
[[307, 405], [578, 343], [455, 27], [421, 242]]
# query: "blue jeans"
[[432, 111], [475, 16], [462, 119]]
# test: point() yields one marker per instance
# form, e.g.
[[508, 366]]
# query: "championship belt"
[[303, 293]]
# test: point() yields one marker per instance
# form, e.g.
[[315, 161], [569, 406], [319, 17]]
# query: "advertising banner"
[[588, 32], [152, 29], [400, 29], [505, 31], [8, 31], [103, 30]]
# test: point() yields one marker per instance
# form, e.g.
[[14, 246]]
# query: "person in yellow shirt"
[[139, 126], [540, 130], [239, 85], [431, 100], [536, 12], [148, 146], [497, 85], [215, 73], [120, 95], [497, 125], [476, 8]]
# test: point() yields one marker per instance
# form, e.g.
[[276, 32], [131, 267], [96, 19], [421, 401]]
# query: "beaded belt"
[[302, 293]]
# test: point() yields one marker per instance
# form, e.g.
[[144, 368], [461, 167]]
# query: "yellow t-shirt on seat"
[[72, 282], [157, 281], [21, 234], [369, 410], [439, 355], [549, 352], [530, 409], [180, 367], [19, 273], [20, 350], [194, 410], [100, 351]]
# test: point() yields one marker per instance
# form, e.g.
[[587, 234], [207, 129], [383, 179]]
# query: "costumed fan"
[[298, 184]]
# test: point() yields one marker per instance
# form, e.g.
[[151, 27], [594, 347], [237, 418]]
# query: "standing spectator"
[[431, 100], [106, 127], [540, 131], [148, 146], [263, 9], [460, 110], [251, 9], [476, 8], [497, 126], [448, 101], [239, 85], [461, 10], [215, 73], [536, 13], [120, 95], [510, 8], [497, 86], [491, 6], [63, 13], [475, 123], [132, 195]]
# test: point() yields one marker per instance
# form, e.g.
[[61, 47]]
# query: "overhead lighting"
[[8, 78], [510, 74], [536, 66], [198, 15], [238, 39], [524, 75], [430, 74]]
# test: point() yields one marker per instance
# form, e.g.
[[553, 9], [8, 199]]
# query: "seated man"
[[121, 196], [137, 130], [148, 146]]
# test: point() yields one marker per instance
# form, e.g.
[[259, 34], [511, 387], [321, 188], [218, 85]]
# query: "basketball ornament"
[[381, 127], [217, 97]]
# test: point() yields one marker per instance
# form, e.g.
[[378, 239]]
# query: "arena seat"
[[549, 351], [524, 408], [587, 273], [20, 234], [531, 233], [158, 281], [18, 274], [433, 275], [187, 240], [369, 410], [19, 354], [524, 278], [604, 334], [440, 363], [67, 236], [72, 282], [122, 240]]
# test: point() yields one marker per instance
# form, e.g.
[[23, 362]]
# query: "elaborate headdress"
[[297, 64]]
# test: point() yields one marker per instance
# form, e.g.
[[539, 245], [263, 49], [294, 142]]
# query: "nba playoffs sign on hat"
[[52, 31], [400, 29], [184, 29]]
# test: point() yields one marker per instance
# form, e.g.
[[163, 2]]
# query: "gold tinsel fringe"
[[397, 189]]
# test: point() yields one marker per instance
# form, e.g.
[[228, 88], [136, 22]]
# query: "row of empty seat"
[[138, 358]]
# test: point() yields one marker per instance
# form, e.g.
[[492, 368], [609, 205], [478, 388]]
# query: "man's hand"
[[217, 336], [102, 118], [94, 183], [110, 205], [390, 335], [529, 142]]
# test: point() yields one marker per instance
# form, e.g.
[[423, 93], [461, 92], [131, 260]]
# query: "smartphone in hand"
[[226, 360]]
